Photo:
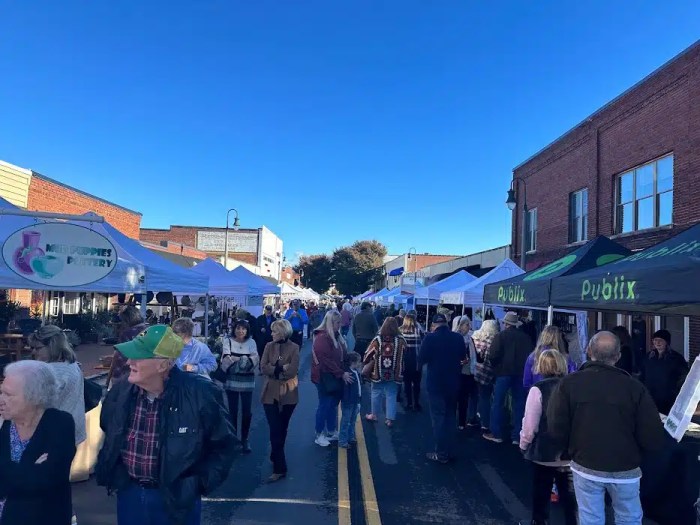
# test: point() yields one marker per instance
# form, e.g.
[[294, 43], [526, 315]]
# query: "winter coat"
[[365, 325], [443, 352], [664, 376], [328, 358], [196, 440], [509, 351], [281, 385]]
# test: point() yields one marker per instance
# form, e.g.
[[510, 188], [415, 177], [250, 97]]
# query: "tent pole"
[[43, 309], [206, 317], [550, 314], [144, 299]]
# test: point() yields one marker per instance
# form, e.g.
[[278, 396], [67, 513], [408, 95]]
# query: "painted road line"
[[281, 501], [368, 494], [343, 486], [501, 490]]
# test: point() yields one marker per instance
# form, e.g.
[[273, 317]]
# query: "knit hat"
[[662, 334]]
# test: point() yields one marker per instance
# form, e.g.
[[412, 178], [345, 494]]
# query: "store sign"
[[238, 242], [59, 254]]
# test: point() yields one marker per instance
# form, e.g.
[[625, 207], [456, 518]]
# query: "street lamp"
[[512, 203], [415, 258], [236, 224]]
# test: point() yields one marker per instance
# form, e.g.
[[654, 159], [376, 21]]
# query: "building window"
[[645, 196], [578, 216], [531, 231]]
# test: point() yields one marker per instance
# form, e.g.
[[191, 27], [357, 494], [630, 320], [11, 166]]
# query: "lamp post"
[[415, 258], [236, 224], [512, 203]]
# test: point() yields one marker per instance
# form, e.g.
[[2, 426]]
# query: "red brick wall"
[[293, 275], [658, 116], [418, 262], [45, 195]]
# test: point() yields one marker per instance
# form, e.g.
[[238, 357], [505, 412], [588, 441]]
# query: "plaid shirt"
[[140, 452]]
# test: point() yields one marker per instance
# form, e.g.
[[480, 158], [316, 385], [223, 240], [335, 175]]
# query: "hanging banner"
[[59, 254], [686, 403]]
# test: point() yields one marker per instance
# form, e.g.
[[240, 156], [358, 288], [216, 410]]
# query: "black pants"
[[278, 421], [246, 400], [297, 337], [361, 346], [542, 490], [467, 401], [443, 412], [411, 383]]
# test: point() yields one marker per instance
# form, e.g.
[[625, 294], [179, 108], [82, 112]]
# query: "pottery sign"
[[59, 254]]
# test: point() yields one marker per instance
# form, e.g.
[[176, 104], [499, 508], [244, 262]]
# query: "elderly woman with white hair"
[[468, 387], [37, 445]]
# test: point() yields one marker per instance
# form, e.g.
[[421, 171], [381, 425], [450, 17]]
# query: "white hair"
[[39, 382], [347, 307]]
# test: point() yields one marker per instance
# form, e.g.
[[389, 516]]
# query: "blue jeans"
[[502, 386], [327, 412], [347, 423], [136, 504], [443, 413], [388, 389], [590, 496], [485, 393]]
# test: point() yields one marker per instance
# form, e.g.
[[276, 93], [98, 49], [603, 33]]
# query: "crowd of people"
[[171, 413]]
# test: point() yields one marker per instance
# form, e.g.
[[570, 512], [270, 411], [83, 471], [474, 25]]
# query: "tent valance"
[[533, 288], [434, 290], [664, 279]]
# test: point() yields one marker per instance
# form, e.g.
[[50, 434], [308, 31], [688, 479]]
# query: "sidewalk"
[[89, 355]]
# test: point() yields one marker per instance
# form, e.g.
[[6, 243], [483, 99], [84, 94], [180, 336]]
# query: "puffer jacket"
[[196, 440]]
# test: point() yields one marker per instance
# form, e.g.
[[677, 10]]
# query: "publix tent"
[[82, 256], [664, 279], [472, 293], [432, 292], [532, 289]]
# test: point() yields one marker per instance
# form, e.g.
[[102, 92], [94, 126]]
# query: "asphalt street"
[[386, 479]]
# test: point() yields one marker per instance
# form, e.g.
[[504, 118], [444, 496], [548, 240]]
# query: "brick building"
[[289, 276], [260, 250], [33, 191], [630, 171], [410, 263]]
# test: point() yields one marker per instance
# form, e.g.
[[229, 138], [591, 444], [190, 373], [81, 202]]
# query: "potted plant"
[[8, 310]]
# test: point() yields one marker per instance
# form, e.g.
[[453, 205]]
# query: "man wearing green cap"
[[168, 439]]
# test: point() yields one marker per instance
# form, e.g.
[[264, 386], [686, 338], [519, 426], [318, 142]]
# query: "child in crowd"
[[350, 405]]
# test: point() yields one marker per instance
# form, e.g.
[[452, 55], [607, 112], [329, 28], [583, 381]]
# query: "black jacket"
[[663, 377], [509, 351], [605, 417], [443, 351], [545, 447], [365, 326], [262, 338], [39, 494], [196, 440]]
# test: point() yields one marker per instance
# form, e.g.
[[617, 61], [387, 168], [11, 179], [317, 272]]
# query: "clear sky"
[[327, 121]]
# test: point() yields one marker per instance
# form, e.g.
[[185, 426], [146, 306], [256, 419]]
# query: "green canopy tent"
[[663, 279], [533, 289]]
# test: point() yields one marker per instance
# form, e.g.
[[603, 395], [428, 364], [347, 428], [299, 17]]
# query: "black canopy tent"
[[533, 289], [663, 279]]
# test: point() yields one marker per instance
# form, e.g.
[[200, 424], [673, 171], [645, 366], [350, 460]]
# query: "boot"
[[245, 430]]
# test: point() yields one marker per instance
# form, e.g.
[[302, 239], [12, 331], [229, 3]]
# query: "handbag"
[[92, 394]]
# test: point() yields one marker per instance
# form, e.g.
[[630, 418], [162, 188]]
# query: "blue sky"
[[326, 121]]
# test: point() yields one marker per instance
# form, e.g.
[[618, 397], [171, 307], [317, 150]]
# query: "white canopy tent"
[[83, 256], [431, 293], [472, 293]]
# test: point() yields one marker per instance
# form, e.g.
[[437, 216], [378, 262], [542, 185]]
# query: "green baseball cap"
[[157, 341]]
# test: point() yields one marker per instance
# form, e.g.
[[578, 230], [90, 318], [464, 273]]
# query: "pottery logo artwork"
[[59, 254]]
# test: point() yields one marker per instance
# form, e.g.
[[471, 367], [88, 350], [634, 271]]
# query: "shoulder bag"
[[329, 384]]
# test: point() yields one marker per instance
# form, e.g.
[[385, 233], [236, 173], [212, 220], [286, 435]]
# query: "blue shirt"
[[297, 322], [197, 354]]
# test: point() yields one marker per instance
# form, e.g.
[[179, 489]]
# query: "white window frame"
[[635, 201], [531, 233], [578, 218]]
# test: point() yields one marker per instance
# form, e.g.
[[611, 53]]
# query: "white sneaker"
[[322, 441], [332, 437]]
